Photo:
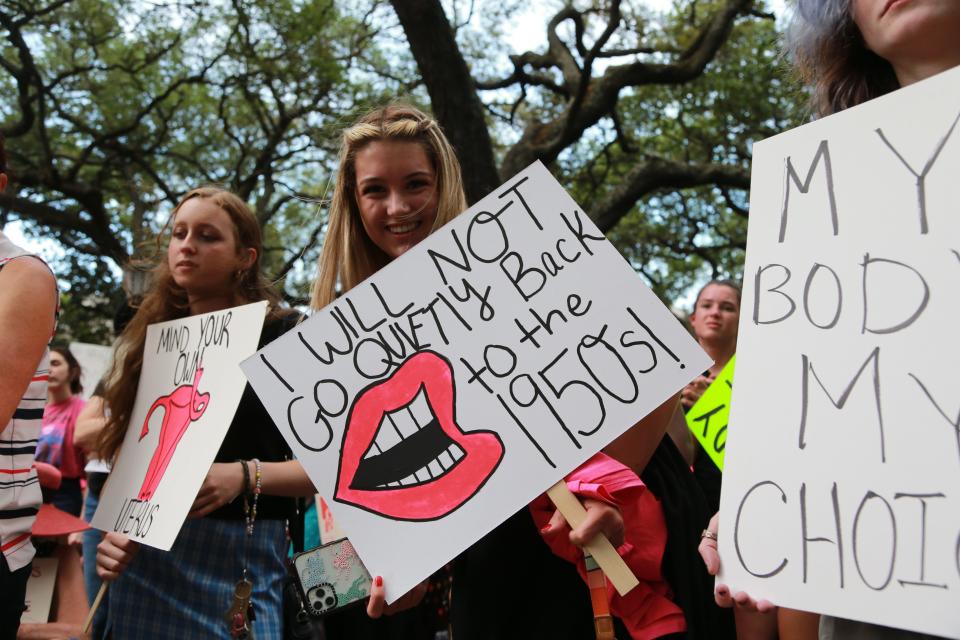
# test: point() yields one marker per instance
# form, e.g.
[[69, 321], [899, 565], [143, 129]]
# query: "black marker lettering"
[[807, 539], [480, 220], [736, 532], [463, 265], [535, 393], [823, 151], [486, 309], [867, 261], [517, 276], [776, 289], [579, 234], [922, 497], [655, 338], [922, 176], [870, 495], [516, 189], [386, 307], [953, 423], [532, 440], [586, 345], [839, 404], [558, 393], [808, 285]]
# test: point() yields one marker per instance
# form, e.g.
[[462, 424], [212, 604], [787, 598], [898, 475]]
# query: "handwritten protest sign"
[[841, 492], [707, 419], [443, 394], [189, 389]]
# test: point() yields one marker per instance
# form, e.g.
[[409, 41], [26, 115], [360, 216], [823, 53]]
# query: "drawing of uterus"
[[180, 408]]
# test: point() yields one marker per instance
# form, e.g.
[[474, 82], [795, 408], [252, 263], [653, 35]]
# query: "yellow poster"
[[707, 419]]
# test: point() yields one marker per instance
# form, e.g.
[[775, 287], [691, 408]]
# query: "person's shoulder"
[[29, 269]]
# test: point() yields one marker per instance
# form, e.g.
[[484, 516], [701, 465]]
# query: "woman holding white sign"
[[851, 51], [399, 181], [236, 531]]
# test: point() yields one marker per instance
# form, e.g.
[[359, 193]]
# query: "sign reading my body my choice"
[[841, 490], [446, 392], [189, 390]]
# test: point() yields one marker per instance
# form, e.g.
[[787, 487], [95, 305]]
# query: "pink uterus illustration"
[[182, 407]]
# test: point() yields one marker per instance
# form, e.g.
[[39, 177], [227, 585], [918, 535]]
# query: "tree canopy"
[[112, 109]]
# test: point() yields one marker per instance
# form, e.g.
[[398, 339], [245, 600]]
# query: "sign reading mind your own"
[[841, 490], [446, 392]]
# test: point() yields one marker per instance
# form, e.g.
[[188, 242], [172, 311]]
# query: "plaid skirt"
[[185, 592]]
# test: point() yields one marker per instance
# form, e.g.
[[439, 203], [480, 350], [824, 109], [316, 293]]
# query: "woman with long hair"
[[56, 445], [399, 181], [212, 262], [848, 52]]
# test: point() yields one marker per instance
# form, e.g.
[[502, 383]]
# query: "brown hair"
[[349, 256], [829, 54], [74, 367], [168, 301], [730, 284]]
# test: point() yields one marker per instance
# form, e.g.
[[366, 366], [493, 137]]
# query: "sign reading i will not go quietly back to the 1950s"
[[707, 419], [841, 493], [447, 391], [189, 390]]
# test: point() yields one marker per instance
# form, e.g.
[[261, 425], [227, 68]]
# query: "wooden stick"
[[616, 570], [93, 609]]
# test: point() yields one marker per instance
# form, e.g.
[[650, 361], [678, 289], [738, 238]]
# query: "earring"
[[239, 274]]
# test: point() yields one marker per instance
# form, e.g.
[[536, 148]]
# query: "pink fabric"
[[647, 611], [55, 445]]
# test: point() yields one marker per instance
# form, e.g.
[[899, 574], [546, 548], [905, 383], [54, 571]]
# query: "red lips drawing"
[[403, 455]]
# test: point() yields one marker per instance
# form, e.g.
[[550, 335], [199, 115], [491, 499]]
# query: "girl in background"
[[212, 262], [56, 445]]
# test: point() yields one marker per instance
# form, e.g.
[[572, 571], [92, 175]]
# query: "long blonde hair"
[[168, 301], [349, 256]]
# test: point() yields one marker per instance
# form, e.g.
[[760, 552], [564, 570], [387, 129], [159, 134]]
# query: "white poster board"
[[841, 489], [189, 390], [446, 392], [95, 360]]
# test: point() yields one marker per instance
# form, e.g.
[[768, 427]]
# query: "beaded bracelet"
[[250, 509]]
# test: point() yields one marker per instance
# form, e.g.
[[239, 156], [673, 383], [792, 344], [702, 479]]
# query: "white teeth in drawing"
[[396, 426], [434, 469], [399, 425]]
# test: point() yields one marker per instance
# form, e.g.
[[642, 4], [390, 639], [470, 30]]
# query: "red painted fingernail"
[[378, 581], [546, 528]]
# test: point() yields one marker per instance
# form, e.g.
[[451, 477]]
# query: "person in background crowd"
[[212, 262], [715, 320], [90, 422], [851, 51], [56, 445], [28, 308]]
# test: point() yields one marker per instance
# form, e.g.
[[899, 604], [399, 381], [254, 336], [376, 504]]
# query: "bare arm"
[[89, 423], [636, 445], [225, 482], [28, 302]]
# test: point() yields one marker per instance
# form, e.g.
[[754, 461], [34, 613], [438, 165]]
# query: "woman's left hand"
[[377, 604], [224, 482], [601, 518]]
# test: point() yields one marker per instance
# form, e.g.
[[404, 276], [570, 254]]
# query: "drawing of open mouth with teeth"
[[403, 454]]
